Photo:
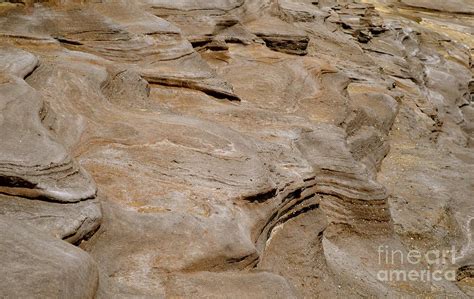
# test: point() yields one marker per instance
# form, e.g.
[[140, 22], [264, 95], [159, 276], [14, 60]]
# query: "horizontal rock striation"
[[33, 164], [234, 147]]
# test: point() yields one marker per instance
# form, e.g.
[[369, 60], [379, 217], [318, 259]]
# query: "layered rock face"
[[236, 148]]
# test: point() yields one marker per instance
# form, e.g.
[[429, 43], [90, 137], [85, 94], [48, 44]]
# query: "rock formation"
[[235, 148]]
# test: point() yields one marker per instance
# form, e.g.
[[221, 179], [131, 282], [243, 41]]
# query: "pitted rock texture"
[[235, 148]]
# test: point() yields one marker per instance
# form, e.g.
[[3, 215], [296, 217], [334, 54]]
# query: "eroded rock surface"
[[37, 265], [238, 148]]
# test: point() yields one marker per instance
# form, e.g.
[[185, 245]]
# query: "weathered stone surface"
[[41, 266], [280, 36], [153, 47], [231, 285], [32, 163], [70, 222], [17, 62], [455, 6], [40, 183], [242, 148]]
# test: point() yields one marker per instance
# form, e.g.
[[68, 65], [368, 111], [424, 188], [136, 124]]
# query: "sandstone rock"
[[451, 6], [138, 48], [70, 222], [233, 285], [38, 265], [347, 126], [33, 164], [280, 36], [17, 62]]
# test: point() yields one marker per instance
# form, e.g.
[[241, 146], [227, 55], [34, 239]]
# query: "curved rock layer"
[[35, 264], [235, 148]]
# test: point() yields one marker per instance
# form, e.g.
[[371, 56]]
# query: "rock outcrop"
[[35, 264], [236, 148]]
